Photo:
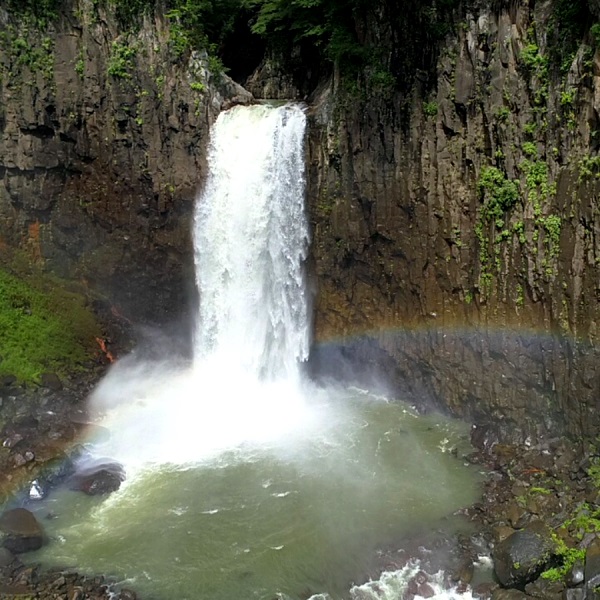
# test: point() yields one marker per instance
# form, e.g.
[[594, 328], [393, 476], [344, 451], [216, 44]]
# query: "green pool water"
[[292, 519]]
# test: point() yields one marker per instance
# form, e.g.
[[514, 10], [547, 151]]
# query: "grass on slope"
[[43, 327]]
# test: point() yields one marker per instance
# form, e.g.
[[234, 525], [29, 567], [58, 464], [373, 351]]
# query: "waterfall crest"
[[251, 240]]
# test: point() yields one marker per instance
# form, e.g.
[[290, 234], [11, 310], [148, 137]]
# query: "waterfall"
[[251, 240], [252, 330]]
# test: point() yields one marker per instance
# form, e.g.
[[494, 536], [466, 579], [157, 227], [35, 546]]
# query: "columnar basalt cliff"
[[102, 139], [461, 234], [453, 194]]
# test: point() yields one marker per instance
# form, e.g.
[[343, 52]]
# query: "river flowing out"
[[245, 480]]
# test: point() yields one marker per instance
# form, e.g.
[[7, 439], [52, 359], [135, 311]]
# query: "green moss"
[[595, 34], [535, 64], [42, 328], [520, 299]]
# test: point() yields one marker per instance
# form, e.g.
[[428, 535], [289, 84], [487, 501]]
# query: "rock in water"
[[100, 479], [522, 556], [20, 531]]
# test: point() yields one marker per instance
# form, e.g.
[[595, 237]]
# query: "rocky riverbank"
[[535, 529], [42, 431]]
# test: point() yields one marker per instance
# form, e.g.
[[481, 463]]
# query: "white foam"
[[392, 585]]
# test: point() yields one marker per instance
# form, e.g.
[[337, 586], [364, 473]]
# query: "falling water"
[[251, 240], [243, 479]]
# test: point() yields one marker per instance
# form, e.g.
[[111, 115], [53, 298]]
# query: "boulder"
[[576, 574], [99, 479], [6, 558], [574, 594], [51, 381], [7, 380], [501, 594], [592, 565], [522, 556], [545, 589], [20, 531]]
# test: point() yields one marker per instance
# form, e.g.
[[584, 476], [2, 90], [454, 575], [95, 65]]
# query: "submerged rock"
[[99, 479], [522, 556], [20, 531]]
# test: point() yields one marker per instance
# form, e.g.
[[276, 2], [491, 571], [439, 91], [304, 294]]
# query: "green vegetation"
[[195, 24], [595, 33], [589, 167], [42, 328], [325, 23], [536, 64], [566, 28], [532, 59], [520, 299], [121, 60], [128, 12], [583, 519], [37, 12], [567, 556], [25, 48], [502, 114], [540, 191], [499, 193], [430, 109], [567, 97], [529, 149], [79, 67]]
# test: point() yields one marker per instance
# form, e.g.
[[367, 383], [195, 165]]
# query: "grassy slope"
[[42, 328]]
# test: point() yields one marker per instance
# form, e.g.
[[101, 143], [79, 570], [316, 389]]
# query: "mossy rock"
[[522, 556]]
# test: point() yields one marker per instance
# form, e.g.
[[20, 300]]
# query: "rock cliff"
[[453, 197], [103, 133], [459, 236]]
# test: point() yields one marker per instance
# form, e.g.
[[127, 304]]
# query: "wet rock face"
[[493, 317], [100, 479], [102, 144], [20, 531]]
